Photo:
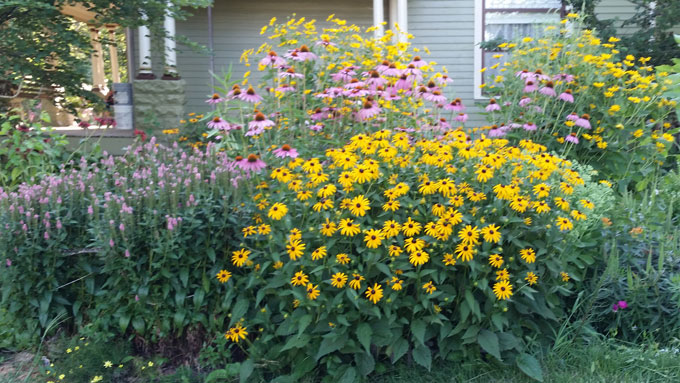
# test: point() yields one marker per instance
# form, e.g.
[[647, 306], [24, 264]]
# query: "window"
[[497, 21]]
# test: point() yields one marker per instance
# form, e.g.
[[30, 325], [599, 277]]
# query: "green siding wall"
[[446, 28], [620, 10], [236, 26]]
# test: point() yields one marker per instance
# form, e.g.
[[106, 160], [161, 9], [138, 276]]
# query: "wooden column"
[[402, 20], [170, 51], [113, 54], [378, 18], [97, 58], [145, 71]]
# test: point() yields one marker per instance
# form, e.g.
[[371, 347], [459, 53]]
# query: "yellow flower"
[[108, 364], [503, 275], [469, 235], [614, 108], [342, 259], [496, 260], [564, 224], [339, 280], [541, 190], [299, 279], [465, 251], [319, 253], [312, 291], [373, 238], [277, 211], [359, 206], [234, 334], [295, 249], [429, 287], [502, 289], [418, 258], [349, 228], [528, 255], [375, 293], [531, 278], [328, 228], [565, 276], [223, 276], [240, 257], [411, 227], [355, 282], [491, 233], [97, 379]]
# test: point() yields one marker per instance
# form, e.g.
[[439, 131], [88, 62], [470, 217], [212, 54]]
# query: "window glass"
[[498, 4]]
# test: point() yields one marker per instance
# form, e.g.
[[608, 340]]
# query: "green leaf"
[[384, 269], [124, 322], [246, 370], [229, 371], [138, 324], [489, 343], [365, 362], [239, 310], [423, 356], [530, 366], [297, 341], [303, 323], [349, 376], [418, 330], [399, 349], [330, 344], [184, 276], [364, 333]]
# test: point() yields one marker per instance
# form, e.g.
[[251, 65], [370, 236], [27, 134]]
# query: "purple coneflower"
[[215, 99], [444, 80], [369, 110], [317, 127], [250, 96], [392, 71], [530, 87], [548, 89], [260, 122], [564, 77], [375, 79], [583, 121], [344, 75], [272, 59], [456, 105], [385, 65], [571, 137], [290, 73], [218, 123], [286, 151], [524, 74], [529, 126], [301, 54], [418, 62], [566, 96], [461, 117], [285, 88], [496, 131], [524, 101], [391, 94], [573, 116], [354, 83], [235, 92], [355, 93], [443, 124], [326, 43], [436, 97], [493, 106], [538, 75], [252, 163], [404, 83]]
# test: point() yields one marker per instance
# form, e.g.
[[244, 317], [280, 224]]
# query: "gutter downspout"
[[211, 47]]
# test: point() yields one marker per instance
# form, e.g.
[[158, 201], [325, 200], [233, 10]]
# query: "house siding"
[[618, 10], [236, 26], [446, 28]]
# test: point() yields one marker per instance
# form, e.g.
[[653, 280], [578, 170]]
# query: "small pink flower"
[[136, 298], [111, 243], [573, 117], [524, 101], [251, 163], [529, 126], [461, 117], [286, 151], [219, 124], [46, 235], [566, 96], [571, 137], [272, 59], [455, 105], [622, 304], [8, 262], [530, 87], [127, 253], [436, 97], [615, 307]]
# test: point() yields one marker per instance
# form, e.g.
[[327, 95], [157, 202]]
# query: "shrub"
[[384, 247], [572, 92]]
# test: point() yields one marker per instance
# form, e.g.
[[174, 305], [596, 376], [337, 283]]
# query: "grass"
[[603, 361]]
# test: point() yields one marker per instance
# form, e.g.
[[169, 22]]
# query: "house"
[[171, 82]]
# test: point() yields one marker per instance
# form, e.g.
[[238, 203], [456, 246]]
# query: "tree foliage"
[[43, 48]]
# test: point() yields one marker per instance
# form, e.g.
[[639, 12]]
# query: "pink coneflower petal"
[[566, 96], [215, 99], [250, 96], [571, 137], [369, 110], [252, 163], [493, 106], [285, 151], [219, 124], [524, 101]]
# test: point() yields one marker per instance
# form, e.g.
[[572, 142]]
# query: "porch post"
[[97, 58], [113, 54], [402, 19], [145, 70], [170, 52], [378, 18], [393, 18]]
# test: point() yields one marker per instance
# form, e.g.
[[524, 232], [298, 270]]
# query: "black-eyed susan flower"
[[531, 278], [349, 228], [465, 251], [277, 211], [391, 228], [312, 291], [264, 229], [411, 227], [374, 293], [587, 204], [392, 205], [323, 204], [469, 235], [342, 258], [299, 279], [359, 206], [528, 255], [502, 275], [328, 228], [541, 190], [562, 203], [339, 280], [223, 276], [564, 223], [491, 234], [319, 253], [449, 259], [355, 282], [541, 207], [429, 287], [413, 244], [577, 215], [249, 230], [239, 257], [496, 260], [419, 257], [396, 284], [502, 289], [519, 204], [295, 248], [395, 251], [373, 238], [565, 276], [236, 333]]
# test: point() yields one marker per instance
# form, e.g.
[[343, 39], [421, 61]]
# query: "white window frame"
[[479, 24]]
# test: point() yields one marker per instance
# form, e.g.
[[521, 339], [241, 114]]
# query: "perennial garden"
[[337, 215]]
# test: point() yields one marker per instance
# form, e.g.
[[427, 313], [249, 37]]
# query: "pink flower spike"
[[286, 151], [127, 253], [8, 262]]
